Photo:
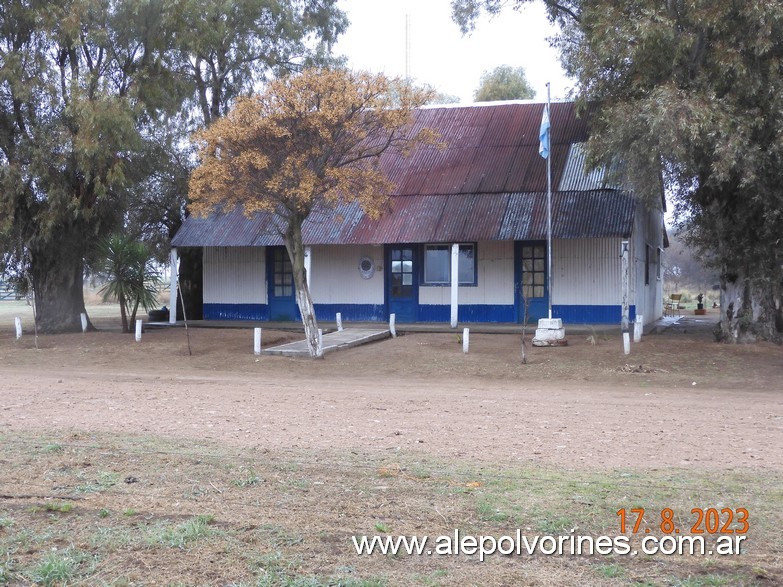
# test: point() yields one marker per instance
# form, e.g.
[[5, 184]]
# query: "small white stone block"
[[550, 333], [553, 323]]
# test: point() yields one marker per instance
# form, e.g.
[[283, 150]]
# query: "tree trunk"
[[748, 309], [296, 252], [58, 282], [123, 314]]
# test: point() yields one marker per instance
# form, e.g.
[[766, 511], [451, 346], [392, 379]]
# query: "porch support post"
[[308, 262], [173, 286], [454, 284]]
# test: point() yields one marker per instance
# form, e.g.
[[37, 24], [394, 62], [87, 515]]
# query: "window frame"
[[447, 283], [533, 245]]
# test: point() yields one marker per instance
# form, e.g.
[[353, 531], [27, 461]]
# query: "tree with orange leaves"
[[310, 140]]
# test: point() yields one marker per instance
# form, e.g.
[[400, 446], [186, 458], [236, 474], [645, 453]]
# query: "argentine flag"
[[543, 134]]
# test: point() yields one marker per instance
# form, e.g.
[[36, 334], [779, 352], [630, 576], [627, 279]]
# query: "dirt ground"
[[700, 405], [292, 457]]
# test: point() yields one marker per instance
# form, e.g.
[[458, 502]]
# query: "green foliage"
[[131, 277], [690, 95], [95, 99], [504, 83], [696, 89]]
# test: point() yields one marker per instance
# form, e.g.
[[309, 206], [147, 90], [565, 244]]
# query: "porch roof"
[[431, 218]]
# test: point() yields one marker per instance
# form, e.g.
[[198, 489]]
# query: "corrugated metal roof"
[[421, 219], [489, 149], [489, 183]]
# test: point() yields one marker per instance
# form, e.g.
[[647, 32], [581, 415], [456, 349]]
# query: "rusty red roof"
[[488, 183]]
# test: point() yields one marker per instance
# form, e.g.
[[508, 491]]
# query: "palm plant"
[[132, 279]]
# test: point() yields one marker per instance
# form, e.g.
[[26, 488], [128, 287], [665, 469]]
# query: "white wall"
[[335, 277], [647, 231], [495, 279], [234, 275], [586, 272]]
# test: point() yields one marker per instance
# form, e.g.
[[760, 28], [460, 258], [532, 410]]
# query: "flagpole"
[[549, 204]]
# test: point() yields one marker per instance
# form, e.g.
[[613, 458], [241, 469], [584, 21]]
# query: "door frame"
[[518, 310], [387, 285], [270, 286]]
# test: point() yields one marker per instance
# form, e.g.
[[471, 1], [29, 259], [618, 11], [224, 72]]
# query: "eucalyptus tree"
[[691, 93], [79, 81], [96, 99], [504, 83]]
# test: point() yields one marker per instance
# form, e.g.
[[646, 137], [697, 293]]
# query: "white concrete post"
[[454, 284], [465, 340], [18, 324], [308, 262], [320, 342], [625, 293], [173, 286], [257, 341], [637, 328], [625, 285], [392, 328], [339, 319], [138, 330], [84, 322]]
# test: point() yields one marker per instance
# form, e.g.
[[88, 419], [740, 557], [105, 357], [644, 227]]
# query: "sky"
[[440, 55]]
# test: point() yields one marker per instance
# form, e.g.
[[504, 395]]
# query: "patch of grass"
[[249, 479], [63, 508], [112, 538], [553, 524], [433, 579], [277, 536], [278, 579], [6, 522], [712, 580], [182, 534], [612, 571], [488, 509], [274, 564], [381, 527], [58, 568], [53, 449], [104, 513], [421, 473], [104, 481], [129, 512]]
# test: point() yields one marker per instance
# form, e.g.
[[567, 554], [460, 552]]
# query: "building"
[[480, 202]]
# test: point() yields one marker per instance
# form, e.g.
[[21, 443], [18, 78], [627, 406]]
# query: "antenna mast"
[[407, 47]]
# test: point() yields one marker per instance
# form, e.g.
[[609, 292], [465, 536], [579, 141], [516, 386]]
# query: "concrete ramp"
[[334, 341]]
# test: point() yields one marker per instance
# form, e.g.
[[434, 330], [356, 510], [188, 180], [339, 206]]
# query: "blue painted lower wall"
[[236, 312], [351, 312], [570, 314], [466, 313], [574, 314]]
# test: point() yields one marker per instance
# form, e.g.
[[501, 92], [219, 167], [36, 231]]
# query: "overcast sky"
[[440, 55]]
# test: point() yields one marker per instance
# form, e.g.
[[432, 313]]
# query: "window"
[[533, 271], [658, 268], [437, 264], [283, 274], [646, 264]]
